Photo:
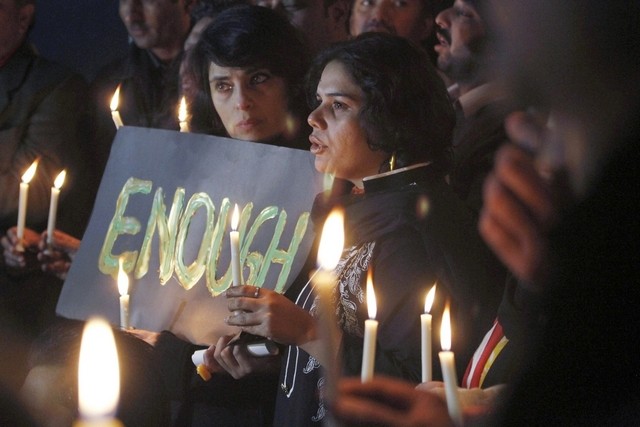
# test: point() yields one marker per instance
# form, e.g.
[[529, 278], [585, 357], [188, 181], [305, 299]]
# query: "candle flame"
[[445, 330], [28, 175], [123, 280], [235, 218], [428, 300], [116, 99], [331, 241], [60, 179], [98, 371], [182, 110], [372, 308]]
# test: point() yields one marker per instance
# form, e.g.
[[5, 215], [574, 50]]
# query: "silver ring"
[[256, 294]]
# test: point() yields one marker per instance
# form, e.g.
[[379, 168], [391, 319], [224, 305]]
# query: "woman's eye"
[[336, 105], [259, 78], [222, 87]]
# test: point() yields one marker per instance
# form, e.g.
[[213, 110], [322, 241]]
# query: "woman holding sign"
[[382, 123]]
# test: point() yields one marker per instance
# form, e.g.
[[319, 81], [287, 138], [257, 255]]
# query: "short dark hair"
[[406, 106], [252, 37]]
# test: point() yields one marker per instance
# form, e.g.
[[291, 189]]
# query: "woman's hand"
[[388, 402], [268, 314], [235, 360], [56, 257], [12, 256]]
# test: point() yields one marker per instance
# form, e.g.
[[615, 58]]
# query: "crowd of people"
[[482, 145]]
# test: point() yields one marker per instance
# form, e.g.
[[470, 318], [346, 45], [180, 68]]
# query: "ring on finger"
[[256, 294]]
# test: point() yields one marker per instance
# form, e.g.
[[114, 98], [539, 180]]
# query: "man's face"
[[14, 24], [155, 24], [319, 26], [461, 33], [404, 18]]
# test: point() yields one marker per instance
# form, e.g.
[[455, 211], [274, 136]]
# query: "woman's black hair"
[[249, 37], [406, 108]]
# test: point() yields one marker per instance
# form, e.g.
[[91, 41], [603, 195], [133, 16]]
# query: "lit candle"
[[182, 116], [234, 238], [115, 115], [447, 362], [324, 281], [53, 206], [370, 331], [22, 202], [123, 288], [425, 323], [98, 376]]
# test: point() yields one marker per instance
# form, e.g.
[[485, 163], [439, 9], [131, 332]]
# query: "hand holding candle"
[[53, 206], [98, 376], [123, 288], [182, 116], [425, 324], [234, 238], [115, 115], [447, 362], [370, 331], [22, 203]]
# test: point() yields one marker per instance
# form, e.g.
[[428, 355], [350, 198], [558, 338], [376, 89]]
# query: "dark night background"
[[83, 35]]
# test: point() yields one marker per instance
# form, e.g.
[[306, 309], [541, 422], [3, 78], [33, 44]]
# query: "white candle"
[[370, 332], [324, 282], [447, 362], [53, 206], [22, 202], [182, 116], [115, 115], [234, 238], [123, 288], [425, 326], [98, 376]]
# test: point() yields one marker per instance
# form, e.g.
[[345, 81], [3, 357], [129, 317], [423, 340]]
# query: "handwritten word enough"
[[173, 231]]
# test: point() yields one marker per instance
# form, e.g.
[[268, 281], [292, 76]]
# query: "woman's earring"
[[392, 161]]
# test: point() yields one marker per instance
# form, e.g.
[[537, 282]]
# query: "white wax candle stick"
[[22, 203], [22, 213], [123, 288], [425, 326], [448, 365], [447, 362], [370, 332], [427, 365], [53, 206], [369, 349], [323, 283], [234, 239], [198, 357], [124, 311]]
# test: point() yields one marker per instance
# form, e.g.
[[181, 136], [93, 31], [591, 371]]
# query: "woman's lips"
[[316, 146], [247, 124]]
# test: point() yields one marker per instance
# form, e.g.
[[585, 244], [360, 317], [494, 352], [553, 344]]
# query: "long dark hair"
[[248, 36], [406, 109]]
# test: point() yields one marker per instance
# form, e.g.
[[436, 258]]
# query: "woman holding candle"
[[382, 123], [249, 66]]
